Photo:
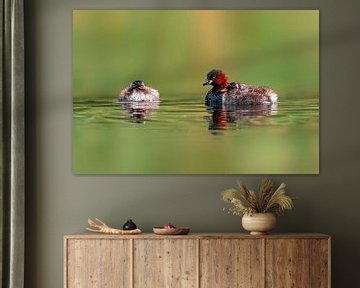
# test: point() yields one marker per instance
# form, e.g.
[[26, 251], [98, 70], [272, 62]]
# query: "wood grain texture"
[[197, 260], [231, 263], [98, 264], [287, 263], [88, 235], [166, 263], [319, 263]]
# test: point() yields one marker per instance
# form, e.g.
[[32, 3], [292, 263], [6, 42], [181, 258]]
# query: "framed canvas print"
[[195, 92]]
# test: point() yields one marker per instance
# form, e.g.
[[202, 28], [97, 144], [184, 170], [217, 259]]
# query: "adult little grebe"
[[138, 92], [236, 93]]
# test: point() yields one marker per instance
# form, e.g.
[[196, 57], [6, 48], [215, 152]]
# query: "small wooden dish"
[[171, 231]]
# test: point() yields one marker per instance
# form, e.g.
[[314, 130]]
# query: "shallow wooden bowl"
[[171, 231]]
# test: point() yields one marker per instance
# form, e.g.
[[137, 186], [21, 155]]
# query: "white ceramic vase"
[[259, 223]]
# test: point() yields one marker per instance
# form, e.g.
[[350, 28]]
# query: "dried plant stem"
[[245, 201], [101, 227]]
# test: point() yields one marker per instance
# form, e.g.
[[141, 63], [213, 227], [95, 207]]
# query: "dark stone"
[[129, 225]]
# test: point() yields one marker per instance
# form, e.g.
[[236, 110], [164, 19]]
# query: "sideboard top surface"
[[87, 235]]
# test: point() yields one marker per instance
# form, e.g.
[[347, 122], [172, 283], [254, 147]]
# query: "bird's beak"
[[207, 82]]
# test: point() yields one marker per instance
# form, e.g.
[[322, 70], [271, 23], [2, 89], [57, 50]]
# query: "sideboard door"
[[100, 263], [297, 263], [320, 263], [170, 263], [230, 263]]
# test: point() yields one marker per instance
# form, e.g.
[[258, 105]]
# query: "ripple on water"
[[189, 137], [193, 111]]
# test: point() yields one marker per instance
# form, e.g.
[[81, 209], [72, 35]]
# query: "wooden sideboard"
[[197, 260]]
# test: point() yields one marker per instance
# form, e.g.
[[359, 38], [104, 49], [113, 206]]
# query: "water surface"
[[183, 136]]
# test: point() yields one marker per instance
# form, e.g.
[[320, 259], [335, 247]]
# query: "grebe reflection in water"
[[139, 112], [225, 117]]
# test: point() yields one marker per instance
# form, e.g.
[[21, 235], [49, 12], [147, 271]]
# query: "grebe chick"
[[236, 93], [137, 91], [240, 94]]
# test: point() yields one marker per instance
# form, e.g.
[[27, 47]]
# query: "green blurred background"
[[173, 50]]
